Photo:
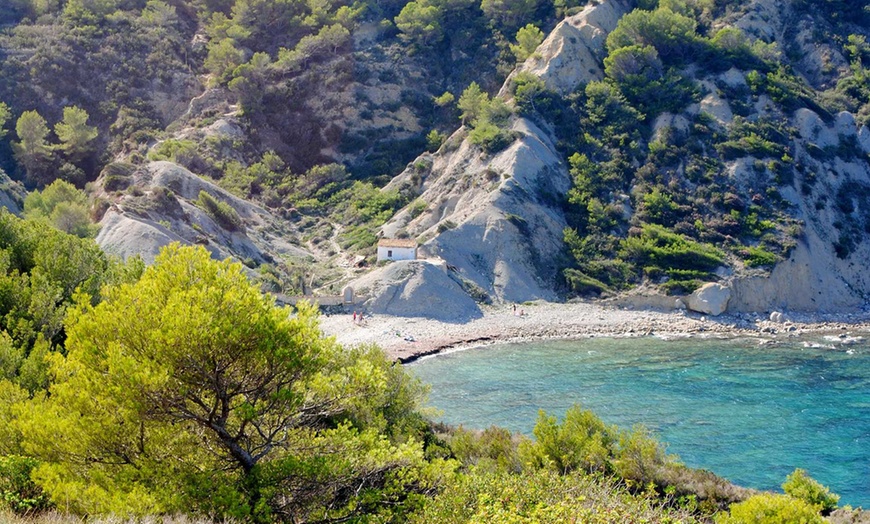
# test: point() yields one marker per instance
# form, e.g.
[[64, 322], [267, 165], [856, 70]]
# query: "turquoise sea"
[[747, 411]]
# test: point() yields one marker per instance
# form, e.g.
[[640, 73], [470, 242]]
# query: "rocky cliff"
[[162, 209], [757, 145], [498, 219]]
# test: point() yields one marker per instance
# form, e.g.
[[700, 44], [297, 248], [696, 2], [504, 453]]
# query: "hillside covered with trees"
[[691, 148]]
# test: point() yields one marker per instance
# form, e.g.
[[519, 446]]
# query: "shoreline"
[[407, 339]]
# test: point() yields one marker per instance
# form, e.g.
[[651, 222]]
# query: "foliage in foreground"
[[801, 486], [188, 391], [40, 270], [545, 496], [769, 508]]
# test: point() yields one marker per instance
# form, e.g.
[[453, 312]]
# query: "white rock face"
[[187, 185], [126, 236], [710, 298], [845, 124], [412, 288], [714, 105], [573, 52], [733, 78], [814, 278], [763, 19], [813, 129], [496, 218], [864, 139], [741, 170], [127, 230], [669, 120], [12, 194]]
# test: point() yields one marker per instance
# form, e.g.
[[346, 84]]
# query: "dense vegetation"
[[655, 187], [86, 82], [131, 67], [183, 389]]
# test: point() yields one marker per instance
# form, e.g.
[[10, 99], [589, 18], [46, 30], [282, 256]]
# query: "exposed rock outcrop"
[[494, 219], [573, 52], [126, 236], [412, 288], [498, 219], [11, 194], [163, 212], [827, 270], [711, 299]]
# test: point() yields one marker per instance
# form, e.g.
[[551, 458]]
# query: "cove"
[[748, 411]]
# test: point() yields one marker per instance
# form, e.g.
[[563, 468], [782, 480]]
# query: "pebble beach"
[[408, 338]]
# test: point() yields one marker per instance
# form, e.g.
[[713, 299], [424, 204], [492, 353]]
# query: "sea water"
[[748, 410]]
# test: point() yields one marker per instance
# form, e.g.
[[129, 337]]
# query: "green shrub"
[[358, 238], [758, 256], [681, 287], [446, 226], [751, 144], [671, 34], [118, 169], [173, 150], [581, 442], [521, 223], [688, 274], [659, 207], [434, 140], [417, 207], [763, 138], [17, 491], [801, 486], [657, 246], [768, 508], [221, 212], [583, 284], [495, 447], [116, 183], [63, 206], [477, 293], [490, 137], [543, 497]]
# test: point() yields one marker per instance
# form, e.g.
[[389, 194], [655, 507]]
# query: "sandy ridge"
[[407, 339]]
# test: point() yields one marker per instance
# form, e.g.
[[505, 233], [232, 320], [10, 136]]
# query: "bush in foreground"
[[190, 391], [801, 486], [769, 508]]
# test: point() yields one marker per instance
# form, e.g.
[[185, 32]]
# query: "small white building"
[[397, 249]]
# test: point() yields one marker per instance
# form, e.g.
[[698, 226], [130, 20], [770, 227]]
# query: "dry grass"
[[54, 517]]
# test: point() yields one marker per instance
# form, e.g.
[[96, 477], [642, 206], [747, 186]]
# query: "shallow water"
[[749, 412]]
